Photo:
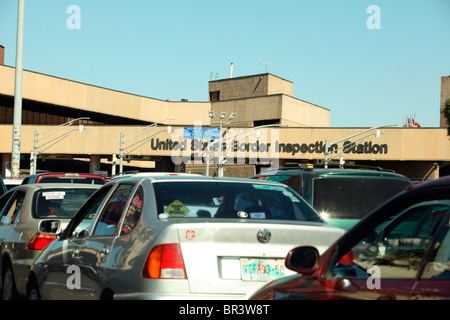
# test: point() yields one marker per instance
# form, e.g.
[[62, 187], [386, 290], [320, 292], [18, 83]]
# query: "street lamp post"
[[17, 116], [207, 157], [39, 149], [220, 122], [327, 144], [137, 133]]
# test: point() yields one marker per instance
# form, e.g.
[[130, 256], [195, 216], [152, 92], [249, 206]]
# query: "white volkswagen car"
[[178, 237]]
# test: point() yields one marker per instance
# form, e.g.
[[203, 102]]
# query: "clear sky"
[[371, 62]]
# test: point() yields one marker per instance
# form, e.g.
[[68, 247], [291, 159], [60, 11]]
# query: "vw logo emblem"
[[263, 235]]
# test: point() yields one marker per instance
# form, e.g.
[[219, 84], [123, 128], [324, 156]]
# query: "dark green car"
[[341, 196]]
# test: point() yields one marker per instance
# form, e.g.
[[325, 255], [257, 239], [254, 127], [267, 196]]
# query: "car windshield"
[[59, 203], [85, 180], [353, 198], [231, 200]]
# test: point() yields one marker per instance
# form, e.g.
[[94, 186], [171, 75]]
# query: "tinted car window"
[[438, 266], [86, 180], [11, 212], [352, 198], [133, 213], [4, 200], [110, 217], [231, 200], [83, 222], [28, 180], [59, 203], [399, 245]]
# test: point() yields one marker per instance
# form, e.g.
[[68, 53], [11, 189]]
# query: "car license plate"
[[262, 269]]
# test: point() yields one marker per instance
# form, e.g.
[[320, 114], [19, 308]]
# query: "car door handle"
[[76, 254], [104, 252]]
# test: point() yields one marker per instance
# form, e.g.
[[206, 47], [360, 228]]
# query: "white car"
[[178, 237], [11, 183]]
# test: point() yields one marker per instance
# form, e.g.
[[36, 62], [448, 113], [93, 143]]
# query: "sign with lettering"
[[177, 209], [201, 133], [291, 148]]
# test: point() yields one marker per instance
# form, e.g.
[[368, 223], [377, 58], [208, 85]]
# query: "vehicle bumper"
[[175, 296]]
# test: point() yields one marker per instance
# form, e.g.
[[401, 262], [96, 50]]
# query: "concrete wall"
[[401, 144], [250, 109], [251, 86], [296, 112], [264, 98], [80, 96], [411, 151], [286, 109]]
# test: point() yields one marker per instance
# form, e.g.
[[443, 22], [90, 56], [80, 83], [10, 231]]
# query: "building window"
[[258, 123], [214, 96]]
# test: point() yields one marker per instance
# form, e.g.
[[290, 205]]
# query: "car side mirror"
[[52, 227], [303, 259], [82, 234]]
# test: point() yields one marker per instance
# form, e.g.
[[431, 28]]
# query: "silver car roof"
[[198, 178]]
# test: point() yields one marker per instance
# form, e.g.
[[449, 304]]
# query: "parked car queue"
[[224, 267]]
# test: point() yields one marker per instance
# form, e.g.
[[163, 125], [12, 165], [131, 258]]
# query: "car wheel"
[[9, 285], [33, 291]]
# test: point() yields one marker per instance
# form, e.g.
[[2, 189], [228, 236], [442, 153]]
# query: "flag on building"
[[410, 122]]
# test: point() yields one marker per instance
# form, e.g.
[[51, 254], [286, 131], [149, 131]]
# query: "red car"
[[57, 177], [401, 250]]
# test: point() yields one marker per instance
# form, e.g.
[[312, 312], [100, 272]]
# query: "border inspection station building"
[[260, 122]]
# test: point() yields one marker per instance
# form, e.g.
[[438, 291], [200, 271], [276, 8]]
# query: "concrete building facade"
[[258, 101]]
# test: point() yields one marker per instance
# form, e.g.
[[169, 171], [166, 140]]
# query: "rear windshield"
[[59, 203], [353, 198], [231, 200], [87, 180]]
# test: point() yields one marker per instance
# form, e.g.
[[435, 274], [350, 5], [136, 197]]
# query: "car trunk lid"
[[237, 258]]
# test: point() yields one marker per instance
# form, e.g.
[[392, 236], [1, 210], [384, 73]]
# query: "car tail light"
[[40, 241], [165, 262], [348, 258]]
